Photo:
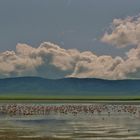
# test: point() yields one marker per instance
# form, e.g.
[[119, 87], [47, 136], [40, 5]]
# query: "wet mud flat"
[[8, 132]]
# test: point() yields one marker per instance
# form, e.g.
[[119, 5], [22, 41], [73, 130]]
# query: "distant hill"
[[68, 86]]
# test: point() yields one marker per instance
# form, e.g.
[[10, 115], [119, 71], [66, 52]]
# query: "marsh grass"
[[72, 98]]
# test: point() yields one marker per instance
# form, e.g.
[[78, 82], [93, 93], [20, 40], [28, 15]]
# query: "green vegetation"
[[72, 98]]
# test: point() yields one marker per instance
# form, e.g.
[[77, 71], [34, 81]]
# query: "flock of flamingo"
[[74, 109]]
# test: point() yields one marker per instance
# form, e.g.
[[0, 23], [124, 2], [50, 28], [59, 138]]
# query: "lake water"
[[70, 121]]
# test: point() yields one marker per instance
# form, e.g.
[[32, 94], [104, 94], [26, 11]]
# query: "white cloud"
[[51, 61], [124, 32]]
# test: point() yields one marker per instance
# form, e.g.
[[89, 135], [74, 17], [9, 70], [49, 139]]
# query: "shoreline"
[[72, 101]]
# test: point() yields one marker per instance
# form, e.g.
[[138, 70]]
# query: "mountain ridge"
[[68, 86]]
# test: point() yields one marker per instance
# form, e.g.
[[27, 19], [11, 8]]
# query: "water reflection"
[[113, 122]]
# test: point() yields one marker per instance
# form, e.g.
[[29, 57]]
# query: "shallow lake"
[[70, 121]]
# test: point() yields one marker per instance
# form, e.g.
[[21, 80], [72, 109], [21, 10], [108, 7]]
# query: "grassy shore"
[[72, 98]]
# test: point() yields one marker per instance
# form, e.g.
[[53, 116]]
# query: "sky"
[[84, 25], [69, 23]]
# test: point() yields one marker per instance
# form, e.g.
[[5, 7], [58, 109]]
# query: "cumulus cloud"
[[124, 32], [51, 61]]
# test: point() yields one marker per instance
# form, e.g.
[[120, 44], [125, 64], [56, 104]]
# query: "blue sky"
[[108, 53], [69, 23]]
